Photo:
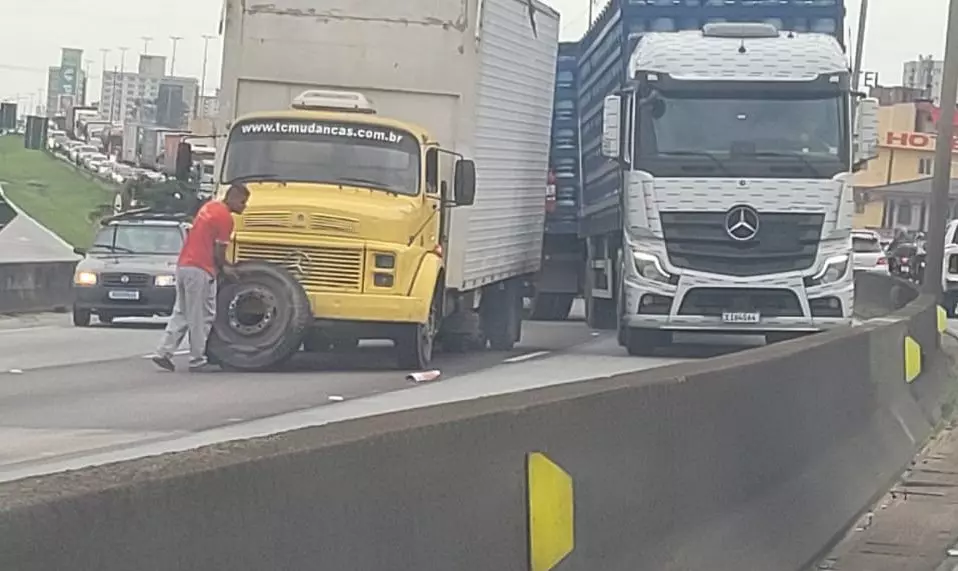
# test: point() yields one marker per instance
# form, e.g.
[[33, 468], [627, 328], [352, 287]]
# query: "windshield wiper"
[[353, 180], [718, 162], [793, 155], [113, 248]]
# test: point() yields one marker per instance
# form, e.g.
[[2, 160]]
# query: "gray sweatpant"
[[193, 313]]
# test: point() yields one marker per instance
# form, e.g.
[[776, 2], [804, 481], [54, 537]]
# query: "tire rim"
[[252, 311]]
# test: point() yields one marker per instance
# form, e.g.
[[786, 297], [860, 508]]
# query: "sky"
[[35, 30]]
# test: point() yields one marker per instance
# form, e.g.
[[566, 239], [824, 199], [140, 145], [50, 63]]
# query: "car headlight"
[[85, 278], [165, 281], [834, 269], [649, 267]]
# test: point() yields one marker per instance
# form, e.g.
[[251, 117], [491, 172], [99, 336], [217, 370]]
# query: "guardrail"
[[755, 460]]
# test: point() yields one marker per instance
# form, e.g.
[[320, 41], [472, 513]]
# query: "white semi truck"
[[735, 148], [462, 82]]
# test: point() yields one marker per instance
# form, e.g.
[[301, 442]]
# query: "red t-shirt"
[[212, 224]]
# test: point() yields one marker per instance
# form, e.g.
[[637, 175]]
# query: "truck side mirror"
[[612, 127], [432, 170], [866, 131], [464, 185]]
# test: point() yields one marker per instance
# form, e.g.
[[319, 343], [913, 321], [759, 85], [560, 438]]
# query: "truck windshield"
[[744, 131], [321, 152]]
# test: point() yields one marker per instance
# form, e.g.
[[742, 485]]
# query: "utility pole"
[[941, 181], [175, 40], [202, 96], [105, 53], [859, 45], [119, 101], [86, 80], [146, 44]]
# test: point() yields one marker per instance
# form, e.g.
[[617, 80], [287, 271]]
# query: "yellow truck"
[[397, 157]]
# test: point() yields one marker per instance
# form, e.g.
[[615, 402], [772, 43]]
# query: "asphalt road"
[[69, 392]]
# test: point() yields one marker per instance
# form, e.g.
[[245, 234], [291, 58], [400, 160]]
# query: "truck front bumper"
[[364, 307], [703, 304]]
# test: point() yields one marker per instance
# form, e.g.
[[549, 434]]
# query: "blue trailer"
[[584, 263]]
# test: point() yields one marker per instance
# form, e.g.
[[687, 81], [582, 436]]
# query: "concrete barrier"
[[36, 286], [755, 460]]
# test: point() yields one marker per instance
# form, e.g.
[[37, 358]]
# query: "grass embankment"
[[51, 191]]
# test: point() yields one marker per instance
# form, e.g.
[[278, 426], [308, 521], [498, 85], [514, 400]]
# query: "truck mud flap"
[[261, 319]]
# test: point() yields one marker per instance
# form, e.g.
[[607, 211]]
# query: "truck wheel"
[[500, 316], [644, 342], [81, 317], [261, 319], [552, 306], [414, 346]]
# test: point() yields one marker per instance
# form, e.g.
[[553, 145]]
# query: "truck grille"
[[785, 242], [316, 222], [768, 302], [316, 267], [115, 279]]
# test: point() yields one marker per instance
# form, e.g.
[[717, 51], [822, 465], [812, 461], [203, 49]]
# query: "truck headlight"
[[385, 261], [834, 270], [649, 267], [165, 281], [85, 278]]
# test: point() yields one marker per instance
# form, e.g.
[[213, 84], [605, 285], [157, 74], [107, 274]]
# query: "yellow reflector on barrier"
[[551, 512], [912, 359], [942, 319]]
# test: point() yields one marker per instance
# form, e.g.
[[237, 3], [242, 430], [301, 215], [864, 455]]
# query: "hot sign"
[[914, 141]]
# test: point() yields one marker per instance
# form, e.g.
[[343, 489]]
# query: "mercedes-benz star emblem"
[[124, 279], [741, 223], [297, 263]]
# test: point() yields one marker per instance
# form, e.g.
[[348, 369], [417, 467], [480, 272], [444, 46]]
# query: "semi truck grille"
[[316, 268], [116, 279], [785, 242], [768, 302]]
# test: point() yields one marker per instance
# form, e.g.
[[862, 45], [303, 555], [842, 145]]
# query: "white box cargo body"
[[477, 74]]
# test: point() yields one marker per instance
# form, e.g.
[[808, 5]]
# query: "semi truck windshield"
[[321, 152], [737, 129]]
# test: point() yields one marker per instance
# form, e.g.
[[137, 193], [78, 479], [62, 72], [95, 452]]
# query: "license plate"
[[124, 295], [741, 316], [904, 268]]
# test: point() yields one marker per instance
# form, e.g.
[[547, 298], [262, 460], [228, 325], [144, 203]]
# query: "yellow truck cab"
[[352, 205]]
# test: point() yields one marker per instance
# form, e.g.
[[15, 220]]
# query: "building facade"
[[66, 83], [894, 189], [924, 74], [148, 96]]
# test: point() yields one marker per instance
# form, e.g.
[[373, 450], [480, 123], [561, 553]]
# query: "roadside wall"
[[36, 286], [755, 460]]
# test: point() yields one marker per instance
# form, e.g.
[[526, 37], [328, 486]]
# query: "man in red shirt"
[[202, 258]]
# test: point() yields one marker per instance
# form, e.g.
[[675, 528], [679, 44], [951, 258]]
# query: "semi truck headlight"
[[834, 270], [649, 267], [85, 278], [165, 281]]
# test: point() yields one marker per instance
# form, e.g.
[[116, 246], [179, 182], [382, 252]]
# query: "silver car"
[[867, 253]]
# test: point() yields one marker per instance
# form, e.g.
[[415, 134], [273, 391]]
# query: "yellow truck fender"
[[424, 284]]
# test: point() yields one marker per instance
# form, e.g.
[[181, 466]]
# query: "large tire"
[[552, 306], [500, 316], [416, 343], [261, 319]]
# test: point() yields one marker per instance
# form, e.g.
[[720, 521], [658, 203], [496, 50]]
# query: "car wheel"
[[261, 319], [81, 317]]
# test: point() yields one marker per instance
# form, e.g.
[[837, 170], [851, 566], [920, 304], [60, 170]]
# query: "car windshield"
[[352, 154], [138, 239], [805, 132], [864, 245]]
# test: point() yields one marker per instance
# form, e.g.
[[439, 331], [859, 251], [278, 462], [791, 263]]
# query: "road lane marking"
[[526, 357]]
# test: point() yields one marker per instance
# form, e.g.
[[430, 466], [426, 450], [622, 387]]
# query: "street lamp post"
[[202, 96], [175, 40], [941, 180], [119, 101], [146, 44]]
